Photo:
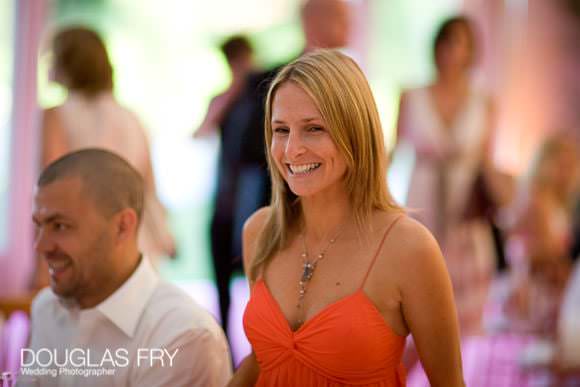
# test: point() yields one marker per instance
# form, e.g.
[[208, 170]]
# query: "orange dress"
[[348, 343]]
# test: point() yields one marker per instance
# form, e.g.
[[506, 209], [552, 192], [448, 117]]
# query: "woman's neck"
[[323, 217], [452, 81], [77, 94]]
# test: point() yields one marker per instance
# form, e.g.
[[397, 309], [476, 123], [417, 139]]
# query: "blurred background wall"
[[168, 66]]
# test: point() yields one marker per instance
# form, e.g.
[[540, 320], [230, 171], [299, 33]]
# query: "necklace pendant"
[[308, 272]]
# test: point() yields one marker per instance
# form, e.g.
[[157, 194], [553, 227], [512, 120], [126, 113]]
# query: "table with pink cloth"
[[494, 361]]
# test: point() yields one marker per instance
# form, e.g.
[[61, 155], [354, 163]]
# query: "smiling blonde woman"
[[339, 274]]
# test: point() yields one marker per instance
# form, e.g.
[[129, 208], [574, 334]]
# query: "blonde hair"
[[552, 147], [345, 101]]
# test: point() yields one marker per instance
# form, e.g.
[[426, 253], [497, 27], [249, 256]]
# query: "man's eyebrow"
[[48, 219]]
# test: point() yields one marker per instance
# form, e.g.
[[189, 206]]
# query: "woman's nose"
[[295, 145]]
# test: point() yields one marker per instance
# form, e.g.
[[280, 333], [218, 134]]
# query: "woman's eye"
[[281, 130], [315, 129]]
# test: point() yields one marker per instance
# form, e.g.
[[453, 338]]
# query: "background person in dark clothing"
[[240, 57], [243, 181]]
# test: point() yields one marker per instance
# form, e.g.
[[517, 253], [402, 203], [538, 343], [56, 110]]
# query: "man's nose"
[[43, 242]]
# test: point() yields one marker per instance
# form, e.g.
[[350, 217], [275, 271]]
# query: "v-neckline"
[[359, 292], [315, 316], [447, 131]]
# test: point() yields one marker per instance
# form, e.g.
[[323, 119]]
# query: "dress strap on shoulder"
[[258, 281], [379, 249]]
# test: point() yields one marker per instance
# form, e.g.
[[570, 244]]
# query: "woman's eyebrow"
[[308, 119]]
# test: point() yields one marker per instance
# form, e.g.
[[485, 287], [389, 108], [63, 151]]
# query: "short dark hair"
[[236, 46], [81, 56], [108, 178], [446, 29]]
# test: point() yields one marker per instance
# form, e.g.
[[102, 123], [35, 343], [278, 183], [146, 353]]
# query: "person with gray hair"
[[107, 318]]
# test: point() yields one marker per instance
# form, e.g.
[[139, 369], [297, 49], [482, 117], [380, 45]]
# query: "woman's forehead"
[[292, 100]]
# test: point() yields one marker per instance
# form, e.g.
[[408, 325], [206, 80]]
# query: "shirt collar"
[[126, 305]]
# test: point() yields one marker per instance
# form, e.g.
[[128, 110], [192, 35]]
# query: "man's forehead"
[[63, 195], [66, 185]]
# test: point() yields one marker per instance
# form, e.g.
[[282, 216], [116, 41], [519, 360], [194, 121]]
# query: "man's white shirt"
[[147, 333]]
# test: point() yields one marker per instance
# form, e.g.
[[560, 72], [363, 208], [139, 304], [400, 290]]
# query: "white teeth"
[[303, 168], [56, 266]]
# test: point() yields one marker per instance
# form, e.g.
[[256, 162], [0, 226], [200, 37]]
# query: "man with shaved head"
[[107, 318]]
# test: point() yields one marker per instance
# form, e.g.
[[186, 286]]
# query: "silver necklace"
[[308, 269]]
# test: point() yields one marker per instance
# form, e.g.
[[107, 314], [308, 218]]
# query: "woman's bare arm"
[[248, 371], [428, 304]]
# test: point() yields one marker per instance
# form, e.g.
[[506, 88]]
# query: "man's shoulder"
[[173, 312]]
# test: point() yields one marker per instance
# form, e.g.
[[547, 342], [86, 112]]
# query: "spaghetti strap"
[[379, 250]]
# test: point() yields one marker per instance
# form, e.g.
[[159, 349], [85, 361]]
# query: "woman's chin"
[[302, 191]]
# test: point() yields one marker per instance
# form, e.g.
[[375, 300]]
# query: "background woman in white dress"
[[92, 117], [448, 125]]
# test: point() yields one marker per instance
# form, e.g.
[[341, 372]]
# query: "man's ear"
[[126, 224]]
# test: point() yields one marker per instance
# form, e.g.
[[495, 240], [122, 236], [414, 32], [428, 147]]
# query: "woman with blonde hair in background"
[[91, 117], [339, 275], [539, 227]]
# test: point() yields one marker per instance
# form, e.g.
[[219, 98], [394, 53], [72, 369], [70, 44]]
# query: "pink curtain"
[[16, 266], [531, 67]]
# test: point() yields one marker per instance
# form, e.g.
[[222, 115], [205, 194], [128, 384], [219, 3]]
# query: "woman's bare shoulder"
[[257, 220], [410, 245], [252, 229], [411, 261], [403, 229]]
